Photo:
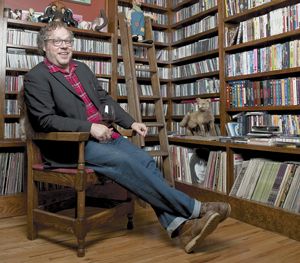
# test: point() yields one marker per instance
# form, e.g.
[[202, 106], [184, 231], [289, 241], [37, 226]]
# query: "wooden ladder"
[[133, 90]]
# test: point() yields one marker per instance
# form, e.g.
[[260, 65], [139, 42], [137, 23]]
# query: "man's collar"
[[54, 68]]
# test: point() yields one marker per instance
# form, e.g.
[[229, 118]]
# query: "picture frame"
[[83, 2]]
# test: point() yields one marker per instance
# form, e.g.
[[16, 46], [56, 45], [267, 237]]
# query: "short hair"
[[45, 32]]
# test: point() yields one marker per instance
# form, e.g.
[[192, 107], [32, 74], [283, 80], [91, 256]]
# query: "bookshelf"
[[194, 53], [253, 212]]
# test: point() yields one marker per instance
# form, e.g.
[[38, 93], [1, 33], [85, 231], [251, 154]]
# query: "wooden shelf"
[[12, 143], [191, 97], [12, 205], [146, 7], [183, 4], [194, 38], [195, 77], [265, 108], [265, 75], [259, 10], [263, 42]]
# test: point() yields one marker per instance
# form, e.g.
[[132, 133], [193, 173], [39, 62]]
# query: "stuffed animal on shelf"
[[136, 18], [57, 11], [16, 14], [201, 121], [31, 15], [100, 22]]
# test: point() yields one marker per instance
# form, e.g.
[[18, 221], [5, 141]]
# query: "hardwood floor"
[[233, 242]]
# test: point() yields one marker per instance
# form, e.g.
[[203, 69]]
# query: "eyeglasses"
[[59, 42]]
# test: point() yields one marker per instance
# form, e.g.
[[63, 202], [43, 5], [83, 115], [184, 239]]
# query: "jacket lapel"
[[60, 77], [89, 86]]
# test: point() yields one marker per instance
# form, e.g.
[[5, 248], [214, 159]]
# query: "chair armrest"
[[62, 136]]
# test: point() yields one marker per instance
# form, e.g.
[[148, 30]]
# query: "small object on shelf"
[[57, 11], [16, 14], [6, 12], [100, 22], [136, 18], [31, 15], [233, 129], [200, 122], [265, 128]]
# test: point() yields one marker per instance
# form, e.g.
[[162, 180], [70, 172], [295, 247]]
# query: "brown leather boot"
[[194, 231], [223, 209]]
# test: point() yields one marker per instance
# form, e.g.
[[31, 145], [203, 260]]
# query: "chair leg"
[[80, 229], [32, 203]]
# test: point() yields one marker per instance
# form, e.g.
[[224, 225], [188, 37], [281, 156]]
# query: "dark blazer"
[[53, 104]]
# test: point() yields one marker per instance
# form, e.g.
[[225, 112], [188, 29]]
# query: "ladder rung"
[[140, 44], [145, 70], [154, 124], [158, 153], [150, 98]]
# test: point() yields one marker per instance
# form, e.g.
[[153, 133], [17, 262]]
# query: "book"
[[239, 178], [277, 183], [233, 129]]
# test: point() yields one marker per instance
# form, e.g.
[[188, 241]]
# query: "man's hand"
[[140, 128], [101, 132]]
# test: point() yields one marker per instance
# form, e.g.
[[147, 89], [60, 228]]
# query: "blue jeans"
[[132, 168]]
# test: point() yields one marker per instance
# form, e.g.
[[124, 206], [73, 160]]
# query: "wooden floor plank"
[[233, 242]]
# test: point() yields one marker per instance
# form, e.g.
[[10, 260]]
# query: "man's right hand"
[[101, 132]]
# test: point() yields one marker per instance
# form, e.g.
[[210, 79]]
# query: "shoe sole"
[[208, 228]]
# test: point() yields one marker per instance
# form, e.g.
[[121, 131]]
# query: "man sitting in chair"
[[62, 94]]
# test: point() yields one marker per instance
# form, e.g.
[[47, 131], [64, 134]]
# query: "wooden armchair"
[[79, 180]]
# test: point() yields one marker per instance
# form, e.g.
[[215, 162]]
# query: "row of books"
[[200, 167], [17, 58], [98, 67], [200, 46], [160, 36], [12, 130], [269, 182], [289, 124], [275, 57], [141, 52], [93, 46], [146, 90], [14, 83], [144, 72], [22, 37], [275, 22], [274, 92], [11, 173], [194, 9], [239, 6], [29, 38], [203, 25], [200, 86], [204, 66], [11, 106]]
